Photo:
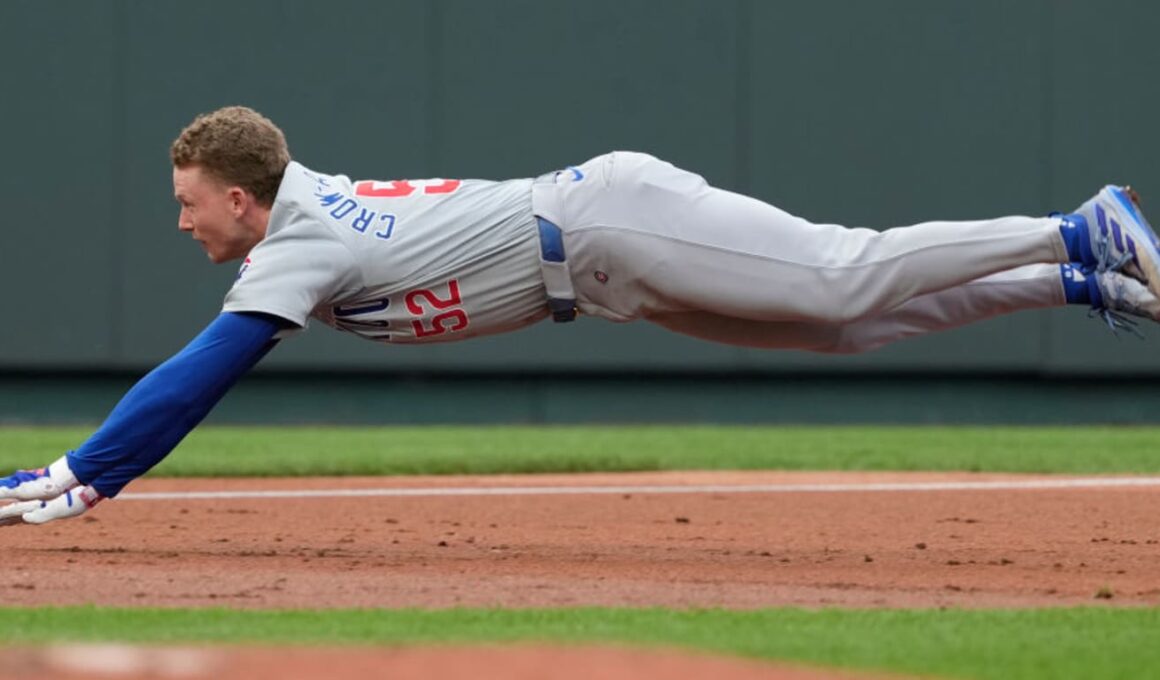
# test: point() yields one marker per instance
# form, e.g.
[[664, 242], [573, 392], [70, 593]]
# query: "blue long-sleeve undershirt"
[[164, 406]]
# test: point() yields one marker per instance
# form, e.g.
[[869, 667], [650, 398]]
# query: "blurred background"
[[869, 114]]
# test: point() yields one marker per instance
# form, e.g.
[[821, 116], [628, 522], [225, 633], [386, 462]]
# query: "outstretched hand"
[[29, 485], [71, 503], [44, 495]]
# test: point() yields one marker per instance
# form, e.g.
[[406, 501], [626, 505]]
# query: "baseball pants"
[[645, 239]]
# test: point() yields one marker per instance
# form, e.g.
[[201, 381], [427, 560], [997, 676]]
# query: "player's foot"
[[1112, 296], [1108, 233]]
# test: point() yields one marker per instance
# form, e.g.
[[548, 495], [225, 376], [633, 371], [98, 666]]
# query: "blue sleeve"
[[156, 414]]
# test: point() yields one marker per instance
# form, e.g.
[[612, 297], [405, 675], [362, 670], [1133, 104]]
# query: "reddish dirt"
[[863, 549], [737, 550]]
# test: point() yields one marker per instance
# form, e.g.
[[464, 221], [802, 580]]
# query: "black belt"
[[557, 278]]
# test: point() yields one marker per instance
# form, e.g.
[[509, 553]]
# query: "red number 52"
[[454, 319]]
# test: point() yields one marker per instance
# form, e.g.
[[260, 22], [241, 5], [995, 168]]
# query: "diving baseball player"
[[623, 236]]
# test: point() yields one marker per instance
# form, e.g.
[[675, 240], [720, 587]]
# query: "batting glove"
[[69, 504], [37, 485]]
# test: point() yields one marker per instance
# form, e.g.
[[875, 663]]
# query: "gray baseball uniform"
[[417, 261], [624, 236], [436, 260]]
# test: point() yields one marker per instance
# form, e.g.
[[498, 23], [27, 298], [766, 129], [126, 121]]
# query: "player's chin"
[[220, 256], [214, 256]]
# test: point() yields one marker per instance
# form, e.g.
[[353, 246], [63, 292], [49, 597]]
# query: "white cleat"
[[1120, 295], [1119, 237]]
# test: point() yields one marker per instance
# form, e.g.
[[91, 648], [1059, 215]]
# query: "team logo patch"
[[244, 267], [600, 276]]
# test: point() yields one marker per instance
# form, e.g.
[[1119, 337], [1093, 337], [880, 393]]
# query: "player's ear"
[[239, 200]]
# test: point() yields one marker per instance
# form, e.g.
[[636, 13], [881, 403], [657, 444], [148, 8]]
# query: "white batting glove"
[[42, 484], [72, 503]]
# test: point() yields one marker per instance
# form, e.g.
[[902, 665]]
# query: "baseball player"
[[623, 236]]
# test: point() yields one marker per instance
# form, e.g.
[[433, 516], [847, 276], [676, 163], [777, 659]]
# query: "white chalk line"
[[997, 485]]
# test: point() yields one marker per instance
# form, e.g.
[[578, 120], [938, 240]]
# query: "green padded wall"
[[869, 114]]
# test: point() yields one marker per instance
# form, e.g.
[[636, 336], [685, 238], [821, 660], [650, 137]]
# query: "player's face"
[[211, 212]]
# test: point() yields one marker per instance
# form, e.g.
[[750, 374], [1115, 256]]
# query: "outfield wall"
[[424, 399], [869, 114]]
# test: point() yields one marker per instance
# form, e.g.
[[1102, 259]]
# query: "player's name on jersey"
[[346, 210]]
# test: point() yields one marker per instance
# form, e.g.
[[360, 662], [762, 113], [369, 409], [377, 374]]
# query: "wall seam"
[[743, 117], [118, 134], [433, 102]]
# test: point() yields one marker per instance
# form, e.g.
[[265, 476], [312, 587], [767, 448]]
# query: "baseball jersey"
[[398, 261]]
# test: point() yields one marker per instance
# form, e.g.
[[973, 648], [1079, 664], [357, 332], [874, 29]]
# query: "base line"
[[1004, 485]]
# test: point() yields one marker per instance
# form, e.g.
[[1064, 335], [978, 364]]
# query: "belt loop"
[[557, 278]]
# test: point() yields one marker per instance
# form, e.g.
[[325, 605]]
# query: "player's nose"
[[183, 222]]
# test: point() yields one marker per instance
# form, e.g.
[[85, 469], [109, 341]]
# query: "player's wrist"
[[62, 475]]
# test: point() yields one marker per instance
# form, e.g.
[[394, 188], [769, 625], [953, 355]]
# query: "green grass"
[[266, 451], [1031, 644]]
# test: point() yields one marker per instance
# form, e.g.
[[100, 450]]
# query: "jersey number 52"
[[450, 316]]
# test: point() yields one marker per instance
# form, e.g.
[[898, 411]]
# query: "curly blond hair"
[[237, 145]]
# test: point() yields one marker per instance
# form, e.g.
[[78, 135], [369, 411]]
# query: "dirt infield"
[[969, 548]]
